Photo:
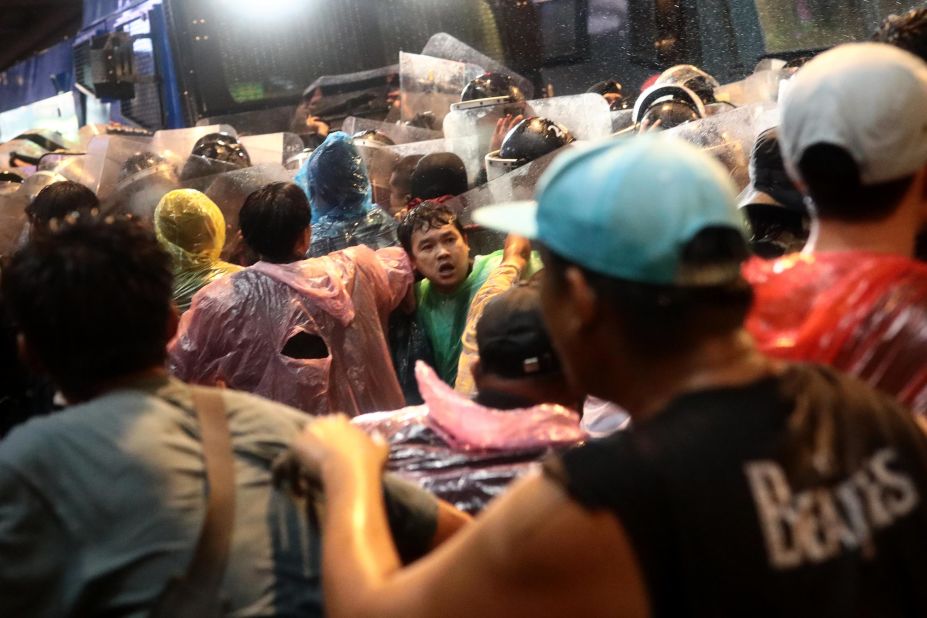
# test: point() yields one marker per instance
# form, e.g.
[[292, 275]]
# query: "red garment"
[[237, 327], [466, 453], [863, 313]]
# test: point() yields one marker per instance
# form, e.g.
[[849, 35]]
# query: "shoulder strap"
[[207, 568]]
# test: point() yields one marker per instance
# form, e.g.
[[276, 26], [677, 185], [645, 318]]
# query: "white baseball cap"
[[869, 99]]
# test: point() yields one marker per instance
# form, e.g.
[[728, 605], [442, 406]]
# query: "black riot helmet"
[[215, 153], [533, 138], [373, 138], [222, 147], [492, 85], [670, 105], [612, 92], [139, 162], [693, 78], [8, 176]]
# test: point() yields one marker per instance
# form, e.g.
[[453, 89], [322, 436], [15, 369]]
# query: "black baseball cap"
[[768, 175], [511, 336]]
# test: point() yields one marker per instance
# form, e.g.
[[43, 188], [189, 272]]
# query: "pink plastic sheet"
[[863, 313], [237, 327], [466, 453]]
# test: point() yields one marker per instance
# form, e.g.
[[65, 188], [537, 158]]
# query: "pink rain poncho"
[[463, 452], [237, 328], [863, 313]]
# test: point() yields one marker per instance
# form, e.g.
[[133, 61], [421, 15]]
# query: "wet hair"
[[58, 200], [661, 319], [93, 300], [438, 174], [426, 216], [833, 181], [907, 31], [272, 220]]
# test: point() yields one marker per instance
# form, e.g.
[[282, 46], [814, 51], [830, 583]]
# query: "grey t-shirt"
[[101, 504]]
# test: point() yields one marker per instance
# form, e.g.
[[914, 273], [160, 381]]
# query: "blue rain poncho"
[[343, 214]]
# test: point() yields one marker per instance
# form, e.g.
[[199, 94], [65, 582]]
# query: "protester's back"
[[851, 136], [309, 334], [103, 503]]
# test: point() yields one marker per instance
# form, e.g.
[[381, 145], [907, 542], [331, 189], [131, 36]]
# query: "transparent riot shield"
[[380, 161], [428, 86], [443, 45], [271, 148], [179, 142], [729, 136], [77, 167], [400, 134], [479, 121], [760, 87], [587, 116], [13, 220], [519, 184], [622, 120], [229, 191], [467, 148]]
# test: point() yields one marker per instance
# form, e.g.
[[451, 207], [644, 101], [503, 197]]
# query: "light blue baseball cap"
[[627, 208]]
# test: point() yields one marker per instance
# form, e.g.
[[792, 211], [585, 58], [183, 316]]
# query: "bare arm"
[[534, 552]]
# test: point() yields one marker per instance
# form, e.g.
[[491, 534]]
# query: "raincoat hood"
[[191, 228], [336, 181], [467, 425], [321, 281]]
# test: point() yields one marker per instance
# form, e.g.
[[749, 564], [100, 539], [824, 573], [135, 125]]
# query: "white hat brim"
[[518, 218]]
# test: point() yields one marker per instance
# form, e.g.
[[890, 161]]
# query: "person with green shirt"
[[437, 245]]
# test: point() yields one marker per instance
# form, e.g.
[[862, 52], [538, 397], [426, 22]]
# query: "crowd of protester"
[[659, 395]]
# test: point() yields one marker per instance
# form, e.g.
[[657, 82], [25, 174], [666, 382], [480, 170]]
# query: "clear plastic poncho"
[[238, 329], [343, 215], [863, 313], [191, 229], [465, 453]]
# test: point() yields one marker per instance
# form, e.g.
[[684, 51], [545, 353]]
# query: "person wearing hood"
[[467, 451], [305, 332], [343, 213], [191, 228]]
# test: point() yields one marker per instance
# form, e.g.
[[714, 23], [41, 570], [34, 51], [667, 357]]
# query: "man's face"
[[442, 255]]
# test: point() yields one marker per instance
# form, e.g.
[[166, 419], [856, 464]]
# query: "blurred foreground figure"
[[852, 136], [745, 487], [307, 333], [468, 451], [191, 229], [102, 503]]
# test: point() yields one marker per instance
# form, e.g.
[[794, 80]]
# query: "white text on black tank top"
[[821, 523]]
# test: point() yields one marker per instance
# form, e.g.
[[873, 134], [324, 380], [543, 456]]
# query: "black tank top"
[[798, 495]]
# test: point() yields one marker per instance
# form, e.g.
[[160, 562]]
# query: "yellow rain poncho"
[[191, 228]]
